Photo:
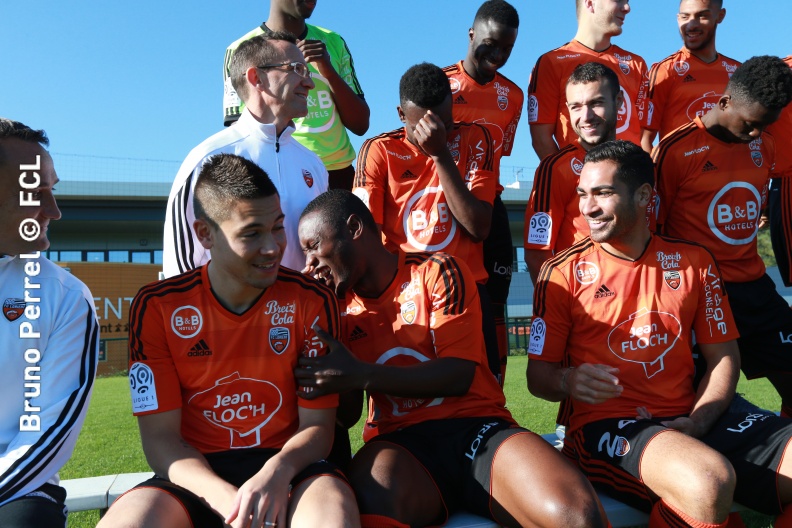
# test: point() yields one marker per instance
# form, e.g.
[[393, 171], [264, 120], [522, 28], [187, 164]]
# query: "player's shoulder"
[[503, 80], [452, 69], [328, 36], [247, 36], [390, 138], [166, 290], [682, 138], [214, 144], [53, 278], [681, 249], [562, 53], [625, 55], [558, 159], [729, 61], [568, 259], [302, 285]]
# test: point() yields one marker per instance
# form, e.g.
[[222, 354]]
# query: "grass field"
[[110, 442]]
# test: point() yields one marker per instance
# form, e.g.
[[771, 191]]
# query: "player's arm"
[[534, 258], [647, 139], [352, 107], [181, 250], [474, 215], [265, 496], [588, 382], [232, 104], [542, 139], [50, 424], [169, 455]]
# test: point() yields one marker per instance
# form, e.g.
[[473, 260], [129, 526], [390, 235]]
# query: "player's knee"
[[575, 510], [711, 481]]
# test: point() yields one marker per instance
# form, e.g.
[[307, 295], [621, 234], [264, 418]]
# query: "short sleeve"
[[656, 97], [544, 98], [371, 178], [552, 318]]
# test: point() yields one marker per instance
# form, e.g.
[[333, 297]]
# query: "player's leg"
[[148, 507], [43, 507], [782, 381], [323, 500], [559, 493], [393, 489]]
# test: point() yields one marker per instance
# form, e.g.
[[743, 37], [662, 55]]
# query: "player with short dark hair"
[[212, 353], [481, 94], [447, 442], [712, 177], [615, 319], [49, 335], [335, 105], [598, 22]]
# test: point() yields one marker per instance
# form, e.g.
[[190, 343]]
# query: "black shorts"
[[779, 208], [43, 508], [457, 453], [764, 320], [236, 467], [499, 253], [609, 453]]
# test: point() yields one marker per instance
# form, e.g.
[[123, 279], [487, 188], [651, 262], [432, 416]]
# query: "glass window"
[[141, 257], [70, 256], [158, 256], [118, 256], [95, 256]]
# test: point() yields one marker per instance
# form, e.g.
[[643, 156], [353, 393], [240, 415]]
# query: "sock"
[[368, 520], [666, 516], [785, 519]]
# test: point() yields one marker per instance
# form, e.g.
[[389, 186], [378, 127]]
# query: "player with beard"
[[688, 83]]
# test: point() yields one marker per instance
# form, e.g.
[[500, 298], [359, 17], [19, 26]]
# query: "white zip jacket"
[[49, 341], [297, 173]]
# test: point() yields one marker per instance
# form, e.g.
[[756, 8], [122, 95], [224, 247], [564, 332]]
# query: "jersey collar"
[[266, 131]]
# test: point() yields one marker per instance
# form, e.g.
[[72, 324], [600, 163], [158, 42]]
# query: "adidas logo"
[[408, 174], [357, 333], [199, 350], [689, 78], [603, 292], [709, 166], [460, 100]]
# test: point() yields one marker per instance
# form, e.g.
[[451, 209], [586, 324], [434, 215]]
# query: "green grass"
[[110, 442]]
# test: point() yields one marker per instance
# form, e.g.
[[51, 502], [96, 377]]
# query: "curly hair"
[[498, 11], [336, 205], [766, 80], [424, 85]]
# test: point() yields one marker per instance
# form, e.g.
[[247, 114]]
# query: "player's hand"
[[764, 221], [315, 52], [430, 135], [594, 383], [685, 425], [643, 413], [261, 501], [337, 371]]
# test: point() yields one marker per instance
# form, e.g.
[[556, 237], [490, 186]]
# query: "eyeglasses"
[[298, 67]]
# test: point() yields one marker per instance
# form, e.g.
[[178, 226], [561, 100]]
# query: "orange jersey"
[[496, 105], [713, 192], [400, 185], [231, 375], [683, 87], [552, 216], [547, 89], [430, 310], [638, 316]]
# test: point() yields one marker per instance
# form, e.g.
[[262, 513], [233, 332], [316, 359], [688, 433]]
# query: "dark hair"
[[635, 167], [256, 51], [10, 129], [335, 207], [424, 85], [498, 11], [225, 179], [590, 72], [766, 80]]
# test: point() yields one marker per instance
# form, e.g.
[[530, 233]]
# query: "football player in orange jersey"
[[482, 95], [447, 442], [687, 83], [217, 404], [624, 305]]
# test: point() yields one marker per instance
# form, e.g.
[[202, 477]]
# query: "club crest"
[[673, 279], [279, 338], [13, 308], [308, 178], [408, 311]]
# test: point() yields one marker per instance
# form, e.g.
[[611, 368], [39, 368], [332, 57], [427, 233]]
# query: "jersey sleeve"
[[325, 313], [232, 104], [371, 178], [511, 128], [667, 175], [480, 174], [714, 322], [544, 98], [181, 250], [455, 322], [546, 208], [343, 64], [66, 374], [153, 379], [552, 318], [656, 97]]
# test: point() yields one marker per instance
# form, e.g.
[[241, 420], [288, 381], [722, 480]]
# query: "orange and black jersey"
[[430, 310], [638, 316], [400, 186], [712, 192], [230, 374]]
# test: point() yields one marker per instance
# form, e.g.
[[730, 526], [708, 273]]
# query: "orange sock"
[[665, 516], [785, 519], [368, 520]]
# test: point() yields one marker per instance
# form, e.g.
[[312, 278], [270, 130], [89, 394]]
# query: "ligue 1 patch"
[[279, 338], [540, 229], [308, 178], [577, 166], [533, 108], [408, 311], [756, 156], [503, 102], [681, 68], [13, 308], [143, 388], [673, 279], [537, 339], [625, 68]]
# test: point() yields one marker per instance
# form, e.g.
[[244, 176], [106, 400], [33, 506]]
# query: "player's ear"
[[644, 195], [471, 34], [355, 226], [252, 76], [724, 102], [402, 117], [721, 15], [204, 233]]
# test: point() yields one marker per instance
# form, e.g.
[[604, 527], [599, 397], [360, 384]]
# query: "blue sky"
[[143, 79]]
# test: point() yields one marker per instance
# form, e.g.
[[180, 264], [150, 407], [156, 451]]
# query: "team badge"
[[577, 166], [279, 338], [681, 68], [625, 68], [13, 308], [455, 84], [503, 102], [308, 178], [455, 156], [408, 311], [756, 156], [673, 279]]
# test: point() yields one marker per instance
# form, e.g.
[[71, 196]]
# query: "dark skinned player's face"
[[297, 8], [491, 45], [744, 120], [410, 114]]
